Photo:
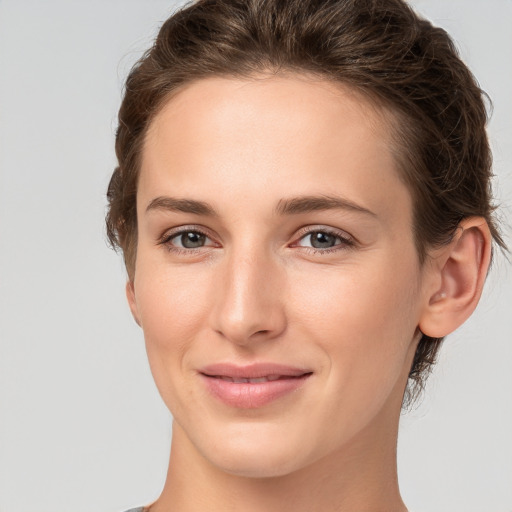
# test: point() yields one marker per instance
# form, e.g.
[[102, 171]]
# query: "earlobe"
[[130, 295], [459, 276]]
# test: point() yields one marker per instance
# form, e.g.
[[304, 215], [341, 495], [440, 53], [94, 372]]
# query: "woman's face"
[[275, 244]]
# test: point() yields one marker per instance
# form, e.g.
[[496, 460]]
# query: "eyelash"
[[166, 238], [346, 242]]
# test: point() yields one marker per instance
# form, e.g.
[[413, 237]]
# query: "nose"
[[249, 304]]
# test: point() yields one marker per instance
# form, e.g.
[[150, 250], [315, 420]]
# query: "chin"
[[256, 465], [257, 452]]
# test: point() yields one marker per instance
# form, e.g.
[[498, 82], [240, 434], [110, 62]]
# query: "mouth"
[[256, 380], [252, 386]]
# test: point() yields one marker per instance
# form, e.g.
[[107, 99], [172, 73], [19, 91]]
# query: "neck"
[[360, 476]]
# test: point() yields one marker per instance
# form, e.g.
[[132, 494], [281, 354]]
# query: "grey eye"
[[190, 240], [322, 240]]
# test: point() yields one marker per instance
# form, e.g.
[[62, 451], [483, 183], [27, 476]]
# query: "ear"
[[457, 279], [130, 295]]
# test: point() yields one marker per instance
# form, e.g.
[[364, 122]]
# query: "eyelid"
[[169, 234], [306, 230], [348, 240]]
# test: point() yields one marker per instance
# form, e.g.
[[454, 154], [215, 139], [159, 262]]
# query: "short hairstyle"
[[380, 48]]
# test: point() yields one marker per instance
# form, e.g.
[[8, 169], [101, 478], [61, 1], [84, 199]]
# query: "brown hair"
[[381, 48]]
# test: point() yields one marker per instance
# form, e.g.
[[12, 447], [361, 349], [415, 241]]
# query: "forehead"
[[280, 103], [271, 134]]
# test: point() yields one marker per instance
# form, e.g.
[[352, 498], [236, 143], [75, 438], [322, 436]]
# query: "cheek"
[[170, 300], [364, 318], [364, 323], [358, 299], [173, 305]]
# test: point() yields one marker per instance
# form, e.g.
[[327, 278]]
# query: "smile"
[[250, 387], [268, 378]]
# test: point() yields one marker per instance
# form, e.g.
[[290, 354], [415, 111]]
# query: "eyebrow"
[[291, 206], [306, 204], [181, 205]]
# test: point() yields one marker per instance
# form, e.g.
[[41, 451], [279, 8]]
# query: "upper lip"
[[252, 371]]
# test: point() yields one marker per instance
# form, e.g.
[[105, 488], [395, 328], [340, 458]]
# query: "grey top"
[[139, 509]]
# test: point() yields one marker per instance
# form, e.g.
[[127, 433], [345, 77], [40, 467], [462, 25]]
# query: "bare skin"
[[274, 228]]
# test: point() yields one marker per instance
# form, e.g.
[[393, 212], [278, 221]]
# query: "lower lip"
[[247, 395]]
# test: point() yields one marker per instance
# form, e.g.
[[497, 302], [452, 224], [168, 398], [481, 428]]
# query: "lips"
[[253, 371], [252, 381], [254, 385]]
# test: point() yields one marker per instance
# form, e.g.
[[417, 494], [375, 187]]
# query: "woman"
[[303, 204]]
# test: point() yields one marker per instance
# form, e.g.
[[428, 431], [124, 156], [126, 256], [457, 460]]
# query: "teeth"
[[261, 379], [252, 381]]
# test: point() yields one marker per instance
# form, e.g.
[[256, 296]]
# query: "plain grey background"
[[82, 427]]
